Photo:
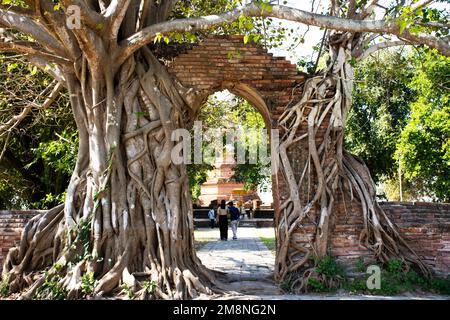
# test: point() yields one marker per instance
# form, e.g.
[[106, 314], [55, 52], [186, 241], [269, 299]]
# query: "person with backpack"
[[235, 215], [212, 216]]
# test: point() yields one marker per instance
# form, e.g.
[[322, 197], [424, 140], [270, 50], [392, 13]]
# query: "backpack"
[[234, 213]]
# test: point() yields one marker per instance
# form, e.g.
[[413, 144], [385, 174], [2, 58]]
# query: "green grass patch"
[[203, 236], [267, 236], [269, 242]]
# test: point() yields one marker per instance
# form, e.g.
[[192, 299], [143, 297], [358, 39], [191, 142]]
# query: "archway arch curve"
[[225, 62]]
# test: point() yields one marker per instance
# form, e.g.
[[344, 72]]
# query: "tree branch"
[[15, 120], [16, 9], [145, 36], [114, 15], [28, 26], [43, 64], [419, 5], [367, 11], [351, 9], [88, 15], [433, 24], [379, 46], [11, 44]]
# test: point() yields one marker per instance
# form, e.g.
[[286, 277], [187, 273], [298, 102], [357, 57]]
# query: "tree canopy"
[[400, 106]]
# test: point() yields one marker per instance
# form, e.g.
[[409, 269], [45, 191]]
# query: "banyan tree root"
[[328, 173], [126, 228]]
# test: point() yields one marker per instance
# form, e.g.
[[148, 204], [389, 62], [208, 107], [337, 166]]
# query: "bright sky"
[[314, 35]]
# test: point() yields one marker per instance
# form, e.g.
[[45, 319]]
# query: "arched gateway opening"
[[236, 168], [270, 84], [219, 63], [273, 85]]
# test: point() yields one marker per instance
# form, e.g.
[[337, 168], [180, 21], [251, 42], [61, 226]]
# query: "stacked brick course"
[[425, 226], [222, 62], [11, 226]]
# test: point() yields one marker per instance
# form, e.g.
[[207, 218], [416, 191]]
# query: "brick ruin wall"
[[11, 226], [426, 227], [224, 62]]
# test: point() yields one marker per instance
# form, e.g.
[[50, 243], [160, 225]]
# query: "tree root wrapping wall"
[[426, 227]]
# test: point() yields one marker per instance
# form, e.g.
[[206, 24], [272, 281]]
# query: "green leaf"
[[34, 70], [12, 67], [402, 23], [246, 38], [242, 19], [178, 37], [263, 7]]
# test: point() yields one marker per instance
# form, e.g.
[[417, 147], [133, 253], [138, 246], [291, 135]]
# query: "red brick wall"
[[223, 62], [426, 227], [11, 225]]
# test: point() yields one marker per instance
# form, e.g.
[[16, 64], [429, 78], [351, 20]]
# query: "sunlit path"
[[245, 258]]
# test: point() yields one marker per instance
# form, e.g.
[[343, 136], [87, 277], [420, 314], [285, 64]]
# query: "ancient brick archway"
[[270, 84], [248, 70], [273, 84]]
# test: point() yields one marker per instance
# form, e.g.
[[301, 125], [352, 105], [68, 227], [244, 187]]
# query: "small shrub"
[[129, 291], [389, 286], [394, 266], [4, 288], [395, 280], [88, 283], [328, 276], [356, 285], [317, 286], [440, 285], [287, 286], [51, 289], [329, 267], [360, 266], [149, 286], [395, 271]]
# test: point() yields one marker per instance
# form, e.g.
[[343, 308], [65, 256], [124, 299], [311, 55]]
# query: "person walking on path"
[[235, 214], [212, 216], [222, 216]]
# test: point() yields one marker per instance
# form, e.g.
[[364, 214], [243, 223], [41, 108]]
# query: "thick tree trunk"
[[329, 174], [128, 216]]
